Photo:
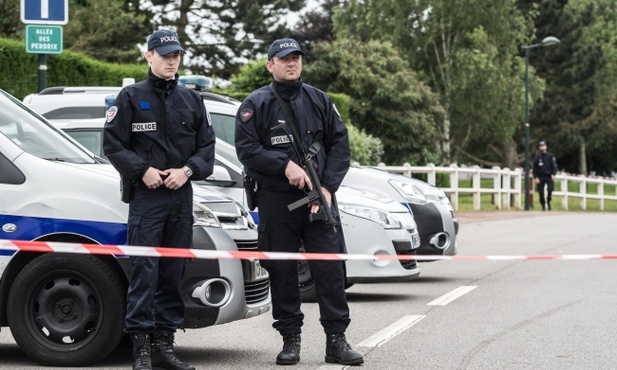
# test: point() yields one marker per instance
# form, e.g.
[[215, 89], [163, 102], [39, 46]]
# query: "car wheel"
[[67, 310], [306, 283]]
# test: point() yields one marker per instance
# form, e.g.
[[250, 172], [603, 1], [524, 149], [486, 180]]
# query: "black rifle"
[[306, 160], [316, 195]]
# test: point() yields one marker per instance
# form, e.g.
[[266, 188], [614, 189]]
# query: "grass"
[[465, 201]]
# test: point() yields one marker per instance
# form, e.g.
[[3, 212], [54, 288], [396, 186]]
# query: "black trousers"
[[159, 217], [282, 230], [549, 184]]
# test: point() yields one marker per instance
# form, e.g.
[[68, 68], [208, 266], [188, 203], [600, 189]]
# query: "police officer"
[[158, 135], [265, 148], [544, 171]]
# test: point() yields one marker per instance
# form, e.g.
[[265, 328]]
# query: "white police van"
[[68, 309]]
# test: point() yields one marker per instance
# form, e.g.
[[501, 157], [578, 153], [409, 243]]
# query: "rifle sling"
[[291, 118]]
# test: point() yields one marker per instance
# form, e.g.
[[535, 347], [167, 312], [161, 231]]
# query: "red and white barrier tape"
[[78, 248]]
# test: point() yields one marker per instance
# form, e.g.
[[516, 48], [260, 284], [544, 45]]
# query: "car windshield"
[[35, 136]]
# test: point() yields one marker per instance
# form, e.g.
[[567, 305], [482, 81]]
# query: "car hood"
[[353, 196]]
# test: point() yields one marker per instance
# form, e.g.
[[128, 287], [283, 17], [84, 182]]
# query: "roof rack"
[[56, 90], [220, 98]]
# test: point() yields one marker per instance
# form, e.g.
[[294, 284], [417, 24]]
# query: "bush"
[[66, 69]]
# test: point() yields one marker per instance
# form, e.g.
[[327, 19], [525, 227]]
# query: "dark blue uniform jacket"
[[544, 165], [265, 151], [160, 124]]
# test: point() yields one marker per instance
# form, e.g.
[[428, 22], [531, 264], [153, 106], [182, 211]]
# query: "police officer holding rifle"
[[294, 144]]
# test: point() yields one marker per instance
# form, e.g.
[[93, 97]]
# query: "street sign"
[[45, 11], [43, 39]]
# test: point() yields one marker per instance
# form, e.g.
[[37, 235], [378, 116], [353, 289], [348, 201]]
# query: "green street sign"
[[43, 39]]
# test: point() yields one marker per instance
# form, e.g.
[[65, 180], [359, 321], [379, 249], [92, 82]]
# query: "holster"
[[250, 186], [127, 189]]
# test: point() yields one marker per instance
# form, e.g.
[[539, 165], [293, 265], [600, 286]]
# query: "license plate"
[[260, 272]]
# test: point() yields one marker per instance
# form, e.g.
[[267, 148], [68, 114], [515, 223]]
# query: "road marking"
[[449, 297], [384, 335]]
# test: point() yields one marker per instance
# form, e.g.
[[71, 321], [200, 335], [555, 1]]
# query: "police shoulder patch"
[[111, 113], [246, 114]]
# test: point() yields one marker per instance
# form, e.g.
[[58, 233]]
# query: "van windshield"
[[35, 136]]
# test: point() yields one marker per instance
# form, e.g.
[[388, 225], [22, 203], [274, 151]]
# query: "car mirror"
[[220, 177]]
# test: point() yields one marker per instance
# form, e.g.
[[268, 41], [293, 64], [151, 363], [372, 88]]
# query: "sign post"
[[44, 20]]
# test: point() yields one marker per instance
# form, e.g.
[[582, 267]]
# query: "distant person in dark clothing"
[[544, 171]]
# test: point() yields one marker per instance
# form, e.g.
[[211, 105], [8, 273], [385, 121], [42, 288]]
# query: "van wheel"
[[67, 309]]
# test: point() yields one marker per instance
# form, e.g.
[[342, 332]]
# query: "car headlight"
[[435, 194], [384, 218], [406, 220], [409, 191], [203, 216]]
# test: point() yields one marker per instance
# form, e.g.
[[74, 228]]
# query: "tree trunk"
[[446, 139], [510, 156], [583, 158]]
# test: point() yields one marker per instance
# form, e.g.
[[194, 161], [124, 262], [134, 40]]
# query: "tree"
[[317, 24], [388, 101], [114, 39], [465, 50], [223, 35], [365, 149], [10, 23], [106, 30], [252, 76], [565, 116]]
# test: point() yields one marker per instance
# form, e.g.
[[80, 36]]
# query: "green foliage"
[[579, 80], [19, 70], [10, 23], [66, 69], [365, 149], [342, 103], [387, 100], [465, 50], [252, 76], [106, 30]]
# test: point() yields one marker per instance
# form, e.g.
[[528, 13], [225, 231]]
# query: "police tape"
[[124, 250]]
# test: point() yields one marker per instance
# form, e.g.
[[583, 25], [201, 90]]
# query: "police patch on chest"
[[143, 127], [277, 140]]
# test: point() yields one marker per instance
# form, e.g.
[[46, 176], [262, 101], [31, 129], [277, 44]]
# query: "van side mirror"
[[220, 177]]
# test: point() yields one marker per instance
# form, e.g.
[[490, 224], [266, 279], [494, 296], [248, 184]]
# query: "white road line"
[[384, 335], [449, 297]]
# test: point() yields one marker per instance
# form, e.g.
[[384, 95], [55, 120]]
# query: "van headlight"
[[203, 216], [409, 191], [384, 218]]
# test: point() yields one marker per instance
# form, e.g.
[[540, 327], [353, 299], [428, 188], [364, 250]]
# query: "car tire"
[[67, 309], [306, 283]]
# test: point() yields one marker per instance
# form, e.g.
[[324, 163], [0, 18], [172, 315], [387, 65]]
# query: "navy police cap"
[[282, 47]]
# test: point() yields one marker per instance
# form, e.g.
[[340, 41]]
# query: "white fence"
[[508, 189]]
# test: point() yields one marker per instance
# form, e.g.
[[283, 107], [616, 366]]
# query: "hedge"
[[19, 70]]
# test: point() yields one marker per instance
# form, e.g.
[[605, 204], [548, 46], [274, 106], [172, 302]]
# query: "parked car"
[[432, 210], [68, 309], [373, 224]]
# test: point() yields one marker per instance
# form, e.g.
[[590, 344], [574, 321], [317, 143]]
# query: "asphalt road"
[[461, 314]]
